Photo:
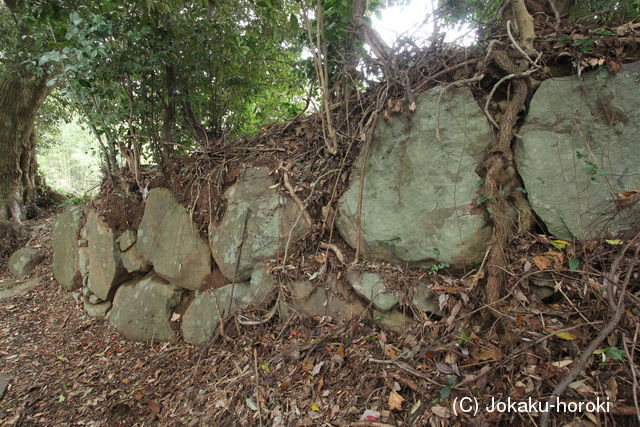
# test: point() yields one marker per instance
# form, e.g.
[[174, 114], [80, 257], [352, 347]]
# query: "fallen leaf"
[[565, 336], [549, 260], [251, 404], [560, 244], [154, 407], [390, 351], [395, 400], [444, 368], [316, 369], [314, 407], [488, 354], [440, 411], [562, 363]]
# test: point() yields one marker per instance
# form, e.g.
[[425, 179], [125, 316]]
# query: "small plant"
[[445, 391], [433, 269], [483, 199], [591, 168], [613, 352], [74, 201], [464, 338]]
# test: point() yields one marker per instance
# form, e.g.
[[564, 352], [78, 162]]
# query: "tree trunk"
[[20, 99], [524, 21]]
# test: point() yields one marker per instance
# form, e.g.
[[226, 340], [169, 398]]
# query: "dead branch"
[[295, 197], [632, 367]]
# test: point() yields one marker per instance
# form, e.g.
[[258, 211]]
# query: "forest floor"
[[60, 367], [64, 368]]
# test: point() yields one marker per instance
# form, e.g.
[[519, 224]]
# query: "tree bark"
[[20, 99], [524, 21]]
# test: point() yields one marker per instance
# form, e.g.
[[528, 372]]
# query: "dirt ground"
[[65, 368]]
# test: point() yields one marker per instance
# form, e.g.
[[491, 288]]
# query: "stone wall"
[[419, 208]]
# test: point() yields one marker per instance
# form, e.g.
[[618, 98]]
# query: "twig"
[[407, 368], [244, 321], [295, 197], [517, 46], [581, 363], [235, 271], [441, 73], [632, 366], [555, 10], [255, 368]]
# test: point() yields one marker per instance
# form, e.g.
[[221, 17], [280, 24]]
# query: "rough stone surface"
[[133, 261], [394, 320], [330, 298], [127, 239], [64, 233], [419, 189], [24, 260], [202, 316], [99, 310], [142, 309], [169, 240], [11, 288], [83, 261], [271, 216], [105, 266], [371, 287], [579, 147]]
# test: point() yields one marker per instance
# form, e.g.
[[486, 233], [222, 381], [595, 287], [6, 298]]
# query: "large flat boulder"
[[105, 265], [419, 189], [169, 240], [142, 309], [203, 314], [269, 217], [65, 233], [578, 149], [24, 260]]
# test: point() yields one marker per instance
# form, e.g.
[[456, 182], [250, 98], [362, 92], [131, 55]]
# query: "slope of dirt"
[[66, 368]]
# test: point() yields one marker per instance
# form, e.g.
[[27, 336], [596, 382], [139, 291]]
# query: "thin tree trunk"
[[524, 21], [20, 99]]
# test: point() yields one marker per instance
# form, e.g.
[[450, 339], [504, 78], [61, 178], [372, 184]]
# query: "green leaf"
[[573, 264], [615, 353], [251, 404]]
